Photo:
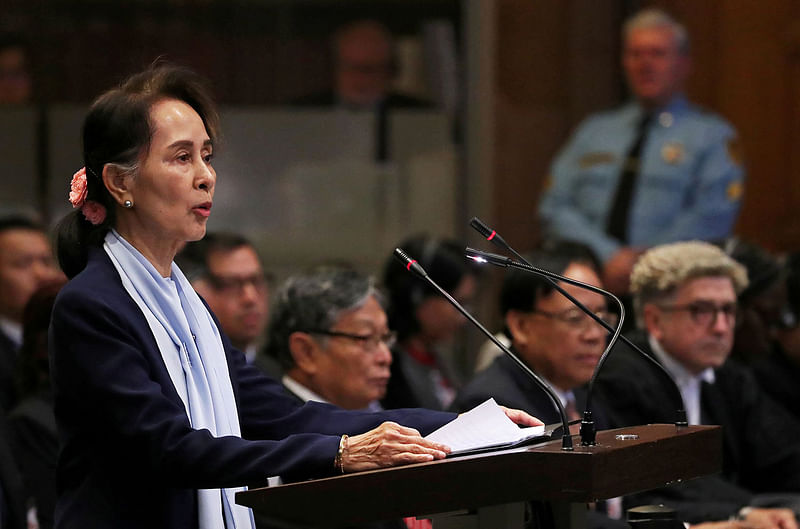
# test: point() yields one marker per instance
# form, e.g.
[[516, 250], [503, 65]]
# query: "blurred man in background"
[[26, 263], [364, 65], [656, 170], [16, 81], [330, 334], [226, 271], [685, 298]]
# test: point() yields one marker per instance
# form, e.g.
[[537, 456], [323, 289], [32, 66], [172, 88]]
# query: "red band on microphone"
[[411, 262], [490, 237]]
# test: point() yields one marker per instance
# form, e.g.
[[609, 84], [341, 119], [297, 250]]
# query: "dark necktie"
[[571, 409], [618, 216]]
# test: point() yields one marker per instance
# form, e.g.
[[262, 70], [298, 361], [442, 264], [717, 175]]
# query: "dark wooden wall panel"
[[556, 62]]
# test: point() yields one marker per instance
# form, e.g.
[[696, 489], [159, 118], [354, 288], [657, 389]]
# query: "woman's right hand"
[[390, 444]]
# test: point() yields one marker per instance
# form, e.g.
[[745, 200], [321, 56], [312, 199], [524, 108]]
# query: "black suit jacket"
[[758, 452], [8, 370], [512, 387], [129, 457], [11, 484], [780, 379]]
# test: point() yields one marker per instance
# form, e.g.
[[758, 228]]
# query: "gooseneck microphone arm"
[[414, 267], [587, 424], [492, 236]]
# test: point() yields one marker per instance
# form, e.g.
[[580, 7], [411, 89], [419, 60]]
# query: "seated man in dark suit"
[[26, 263], [331, 336], [555, 339], [685, 302], [552, 336]]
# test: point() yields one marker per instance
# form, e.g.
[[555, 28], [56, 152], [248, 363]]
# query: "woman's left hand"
[[388, 445], [521, 418]]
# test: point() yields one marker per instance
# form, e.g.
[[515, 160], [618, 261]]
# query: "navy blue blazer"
[[129, 457]]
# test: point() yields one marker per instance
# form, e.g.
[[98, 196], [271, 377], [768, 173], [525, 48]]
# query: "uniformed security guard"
[[656, 170]]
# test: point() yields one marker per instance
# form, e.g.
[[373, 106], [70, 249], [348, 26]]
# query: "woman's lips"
[[204, 209]]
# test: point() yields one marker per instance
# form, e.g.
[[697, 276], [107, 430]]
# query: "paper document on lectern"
[[483, 427]]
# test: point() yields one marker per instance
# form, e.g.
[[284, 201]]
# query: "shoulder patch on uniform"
[[734, 191], [595, 158]]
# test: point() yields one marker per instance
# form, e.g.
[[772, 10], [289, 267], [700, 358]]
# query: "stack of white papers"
[[483, 427]]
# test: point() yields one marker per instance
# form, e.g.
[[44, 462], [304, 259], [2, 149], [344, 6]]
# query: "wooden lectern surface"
[[662, 454]]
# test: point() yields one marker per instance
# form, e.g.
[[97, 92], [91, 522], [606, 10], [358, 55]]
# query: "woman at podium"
[[161, 420]]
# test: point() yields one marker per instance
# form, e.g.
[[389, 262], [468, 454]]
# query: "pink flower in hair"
[[94, 212], [78, 189]]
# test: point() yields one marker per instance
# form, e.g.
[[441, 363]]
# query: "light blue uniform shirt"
[[689, 185]]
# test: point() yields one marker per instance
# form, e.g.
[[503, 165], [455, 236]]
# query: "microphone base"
[[588, 433]]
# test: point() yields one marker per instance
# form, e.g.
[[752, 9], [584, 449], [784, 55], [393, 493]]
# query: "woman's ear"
[[118, 182]]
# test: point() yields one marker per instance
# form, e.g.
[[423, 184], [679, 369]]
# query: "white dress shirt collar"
[[306, 394], [301, 391], [11, 329], [688, 383]]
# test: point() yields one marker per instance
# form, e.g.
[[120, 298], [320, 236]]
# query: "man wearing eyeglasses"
[[552, 336], [685, 303], [330, 334], [226, 271], [558, 341]]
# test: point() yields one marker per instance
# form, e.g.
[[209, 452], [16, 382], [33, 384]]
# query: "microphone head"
[[478, 225], [411, 264]]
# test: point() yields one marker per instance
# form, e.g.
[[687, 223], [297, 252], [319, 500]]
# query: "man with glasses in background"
[[226, 271], [685, 304], [552, 336], [558, 341], [330, 334]]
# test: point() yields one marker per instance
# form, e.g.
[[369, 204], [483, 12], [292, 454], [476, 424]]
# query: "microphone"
[[587, 425], [588, 433], [414, 267]]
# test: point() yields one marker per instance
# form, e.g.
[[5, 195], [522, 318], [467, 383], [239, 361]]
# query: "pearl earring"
[[128, 204]]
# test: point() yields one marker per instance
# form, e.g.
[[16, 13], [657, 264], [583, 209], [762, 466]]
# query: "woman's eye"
[[184, 157]]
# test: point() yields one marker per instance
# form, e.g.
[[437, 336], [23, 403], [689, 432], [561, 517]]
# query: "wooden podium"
[[494, 486]]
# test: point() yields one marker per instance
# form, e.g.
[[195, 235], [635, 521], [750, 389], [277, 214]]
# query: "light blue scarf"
[[192, 350]]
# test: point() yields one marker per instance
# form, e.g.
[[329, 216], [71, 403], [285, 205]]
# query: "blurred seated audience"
[[685, 299], [331, 335], [32, 422], [16, 81], [426, 324], [365, 64], [226, 271], [26, 263], [779, 372]]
